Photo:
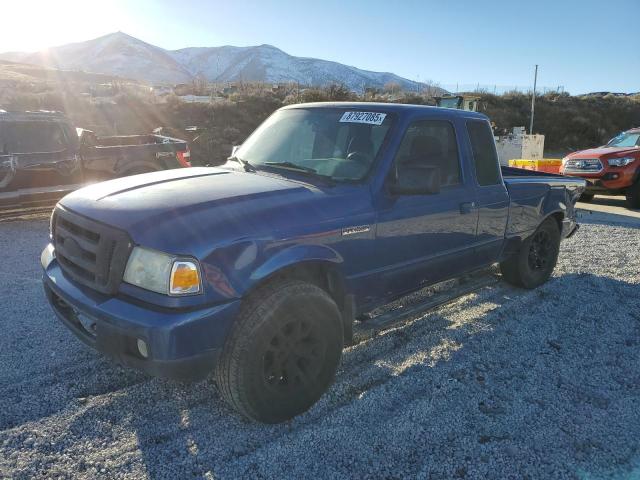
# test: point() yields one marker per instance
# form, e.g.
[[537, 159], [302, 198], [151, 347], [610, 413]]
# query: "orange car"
[[613, 169]]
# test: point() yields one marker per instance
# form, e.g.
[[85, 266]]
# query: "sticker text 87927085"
[[371, 118]]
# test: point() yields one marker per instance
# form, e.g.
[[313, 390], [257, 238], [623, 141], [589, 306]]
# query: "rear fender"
[[528, 213]]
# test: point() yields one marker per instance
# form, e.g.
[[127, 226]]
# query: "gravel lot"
[[502, 383]]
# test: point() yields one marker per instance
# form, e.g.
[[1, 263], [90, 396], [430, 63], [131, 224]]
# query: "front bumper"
[[611, 181], [180, 344]]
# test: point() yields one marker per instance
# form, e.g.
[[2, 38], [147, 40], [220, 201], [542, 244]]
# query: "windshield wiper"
[[245, 163], [302, 169], [293, 166]]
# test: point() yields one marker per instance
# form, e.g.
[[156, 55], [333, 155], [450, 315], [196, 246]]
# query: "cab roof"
[[399, 108]]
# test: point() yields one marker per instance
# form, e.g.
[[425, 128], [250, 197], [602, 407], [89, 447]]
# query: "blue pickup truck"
[[255, 271]]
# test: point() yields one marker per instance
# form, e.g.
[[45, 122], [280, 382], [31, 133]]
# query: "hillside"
[[123, 55], [23, 72]]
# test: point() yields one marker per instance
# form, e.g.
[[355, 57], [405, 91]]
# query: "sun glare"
[[55, 23]]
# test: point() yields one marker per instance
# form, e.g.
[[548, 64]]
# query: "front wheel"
[[283, 352], [533, 264]]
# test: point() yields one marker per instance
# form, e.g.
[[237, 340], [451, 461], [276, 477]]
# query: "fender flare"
[[294, 256], [312, 255], [554, 203]]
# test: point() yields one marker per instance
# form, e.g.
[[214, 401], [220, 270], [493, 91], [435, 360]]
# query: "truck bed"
[[529, 190], [131, 140], [521, 176]]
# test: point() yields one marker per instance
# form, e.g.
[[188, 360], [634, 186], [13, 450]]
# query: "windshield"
[[340, 144], [625, 139]]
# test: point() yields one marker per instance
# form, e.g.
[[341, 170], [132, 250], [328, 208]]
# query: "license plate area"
[[82, 322]]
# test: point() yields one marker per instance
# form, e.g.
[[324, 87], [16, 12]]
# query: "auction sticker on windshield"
[[371, 118]]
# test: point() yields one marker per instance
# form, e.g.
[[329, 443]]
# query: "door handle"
[[467, 207]]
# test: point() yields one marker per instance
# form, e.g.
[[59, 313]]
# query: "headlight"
[[620, 162], [162, 273]]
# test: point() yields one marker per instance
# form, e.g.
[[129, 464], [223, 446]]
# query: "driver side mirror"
[[416, 180]]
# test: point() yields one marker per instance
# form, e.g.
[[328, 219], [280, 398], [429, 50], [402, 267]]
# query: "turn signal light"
[[185, 278]]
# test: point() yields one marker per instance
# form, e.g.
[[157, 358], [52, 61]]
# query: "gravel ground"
[[502, 383]]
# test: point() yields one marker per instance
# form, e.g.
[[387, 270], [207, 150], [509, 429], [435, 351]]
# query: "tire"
[[282, 353], [533, 264], [586, 197], [633, 195]]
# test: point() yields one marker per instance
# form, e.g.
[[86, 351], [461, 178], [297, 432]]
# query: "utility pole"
[[533, 100]]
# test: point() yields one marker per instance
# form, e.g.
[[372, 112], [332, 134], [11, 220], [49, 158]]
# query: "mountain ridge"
[[124, 55]]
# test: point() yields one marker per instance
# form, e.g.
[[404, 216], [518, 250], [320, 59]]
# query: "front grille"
[[89, 252], [583, 165]]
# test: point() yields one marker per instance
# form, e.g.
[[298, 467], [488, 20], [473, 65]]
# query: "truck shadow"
[[548, 384], [593, 217], [611, 201]]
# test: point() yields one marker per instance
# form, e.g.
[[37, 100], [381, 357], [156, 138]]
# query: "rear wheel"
[[533, 264], [586, 197], [633, 195], [283, 352]]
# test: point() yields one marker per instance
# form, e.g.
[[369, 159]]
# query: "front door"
[[422, 239]]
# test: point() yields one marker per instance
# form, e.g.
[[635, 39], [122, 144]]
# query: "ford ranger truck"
[[613, 169], [255, 271]]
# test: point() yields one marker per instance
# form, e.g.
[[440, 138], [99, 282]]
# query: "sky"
[[582, 46]]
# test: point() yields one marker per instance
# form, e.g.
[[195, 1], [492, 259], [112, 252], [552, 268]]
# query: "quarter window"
[[485, 156]]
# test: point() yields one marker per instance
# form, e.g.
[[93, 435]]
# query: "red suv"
[[613, 169]]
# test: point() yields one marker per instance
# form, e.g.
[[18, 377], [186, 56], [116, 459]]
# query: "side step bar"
[[436, 296]]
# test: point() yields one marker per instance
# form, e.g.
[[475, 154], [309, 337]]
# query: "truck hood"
[[603, 151], [188, 211]]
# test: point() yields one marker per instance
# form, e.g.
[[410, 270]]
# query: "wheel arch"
[[318, 265], [514, 242], [558, 216]]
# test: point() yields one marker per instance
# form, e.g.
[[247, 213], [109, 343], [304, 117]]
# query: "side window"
[[485, 157], [33, 137], [431, 143]]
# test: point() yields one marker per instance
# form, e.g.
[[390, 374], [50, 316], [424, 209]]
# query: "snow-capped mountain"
[[123, 55], [114, 54]]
